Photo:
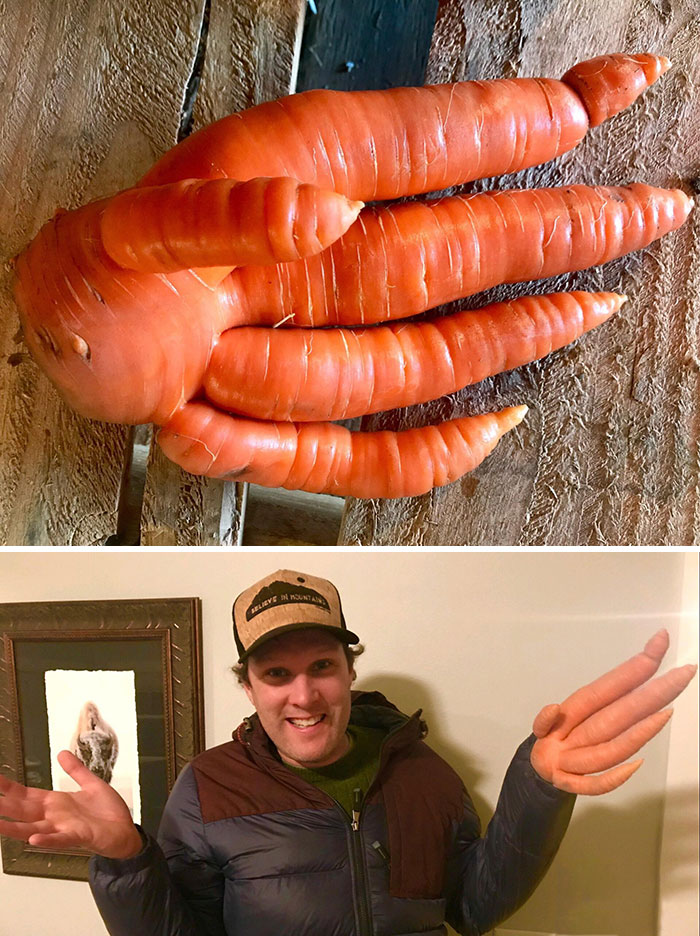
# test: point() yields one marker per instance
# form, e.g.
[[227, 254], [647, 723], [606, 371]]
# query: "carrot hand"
[[242, 298], [583, 743]]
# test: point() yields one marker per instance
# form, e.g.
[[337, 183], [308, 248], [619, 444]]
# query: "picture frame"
[[117, 681]]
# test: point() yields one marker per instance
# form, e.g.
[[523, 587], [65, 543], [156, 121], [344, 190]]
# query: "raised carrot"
[[326, 458], [196, 222]]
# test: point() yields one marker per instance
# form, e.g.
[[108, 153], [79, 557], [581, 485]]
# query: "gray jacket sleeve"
[[172, 887], [489, 878]]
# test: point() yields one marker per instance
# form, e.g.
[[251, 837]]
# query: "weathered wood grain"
[[608, 453], [251, 55], [276, 517], [91, 96]]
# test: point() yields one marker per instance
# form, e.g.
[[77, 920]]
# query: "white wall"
[[480, 641]]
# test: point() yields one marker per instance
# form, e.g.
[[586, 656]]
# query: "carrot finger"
[[609, 83], [311, 374], [324, 457], [598, 783], [616, 683], [198, 223], [624, 712], [607, 754], [401, 141], [399, 261]]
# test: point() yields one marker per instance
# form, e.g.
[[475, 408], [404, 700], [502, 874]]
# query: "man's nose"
[[303, 691]]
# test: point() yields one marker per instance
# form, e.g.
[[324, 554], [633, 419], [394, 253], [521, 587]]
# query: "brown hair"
[[240, 670]]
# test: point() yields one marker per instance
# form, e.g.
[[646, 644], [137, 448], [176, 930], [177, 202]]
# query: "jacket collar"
[[367, 708]]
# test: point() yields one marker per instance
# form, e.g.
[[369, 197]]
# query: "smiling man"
[[328, 814]]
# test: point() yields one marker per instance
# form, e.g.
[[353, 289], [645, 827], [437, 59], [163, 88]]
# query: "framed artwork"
[[118, 683]]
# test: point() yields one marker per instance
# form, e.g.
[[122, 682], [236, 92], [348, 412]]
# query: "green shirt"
[[355, 769]]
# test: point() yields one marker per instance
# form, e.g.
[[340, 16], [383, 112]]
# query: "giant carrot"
[[139, 304]]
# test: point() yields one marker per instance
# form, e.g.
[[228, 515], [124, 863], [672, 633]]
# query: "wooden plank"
[[608, 454], [91, 97], [275, 517], [251, 56]]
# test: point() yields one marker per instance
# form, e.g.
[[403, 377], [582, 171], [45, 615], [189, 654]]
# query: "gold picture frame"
[[157, 641]]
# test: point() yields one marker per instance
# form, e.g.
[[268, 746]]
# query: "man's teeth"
[[305, 722]]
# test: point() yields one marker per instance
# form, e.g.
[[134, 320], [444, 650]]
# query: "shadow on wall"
[[605, 878]]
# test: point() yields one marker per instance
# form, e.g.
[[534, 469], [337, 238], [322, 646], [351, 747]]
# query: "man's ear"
[[248, 691]]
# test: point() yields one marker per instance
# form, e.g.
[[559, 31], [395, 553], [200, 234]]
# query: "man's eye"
[[323, 664], [276, 673]]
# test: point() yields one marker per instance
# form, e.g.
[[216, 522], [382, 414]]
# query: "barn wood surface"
[[92, 95], [608, 452]]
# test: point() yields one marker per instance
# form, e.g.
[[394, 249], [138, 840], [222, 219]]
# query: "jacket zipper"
[[357, 857], [356, 851], [363, 906]]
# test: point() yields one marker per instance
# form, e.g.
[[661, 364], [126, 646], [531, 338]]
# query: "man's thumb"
[[75, 768], [545, 720]]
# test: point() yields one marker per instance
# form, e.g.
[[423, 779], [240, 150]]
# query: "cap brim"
[[342, 635]]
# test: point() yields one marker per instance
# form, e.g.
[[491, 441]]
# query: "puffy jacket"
[[248, 848]]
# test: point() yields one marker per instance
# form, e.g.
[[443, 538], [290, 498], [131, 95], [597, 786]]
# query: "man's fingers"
[[622, 714], [610, 753], [53, 840], [545, 720], [8, 787], [617, 682], [24, 809], [598, 784], [23, 830], [19, 791]]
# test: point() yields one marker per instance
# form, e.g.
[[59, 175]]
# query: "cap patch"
[[282, 593]]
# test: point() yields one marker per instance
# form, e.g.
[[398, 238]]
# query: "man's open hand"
[[95, 817], [607, 721]]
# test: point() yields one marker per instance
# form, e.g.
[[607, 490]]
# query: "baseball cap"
[[286, 601]]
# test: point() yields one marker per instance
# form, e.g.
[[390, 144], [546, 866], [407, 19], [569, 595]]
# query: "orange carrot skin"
[[195, 223], [326, 458], [609, 83], [311, 374], [413, 139], [121, 347], [402, 260]]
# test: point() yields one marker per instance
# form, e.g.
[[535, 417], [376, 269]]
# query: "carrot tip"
[[517, 414]]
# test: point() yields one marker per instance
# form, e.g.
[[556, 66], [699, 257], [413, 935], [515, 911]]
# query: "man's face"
[[302, 675]]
